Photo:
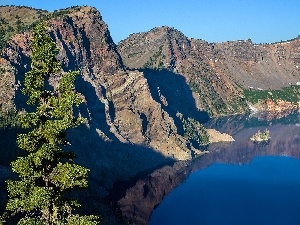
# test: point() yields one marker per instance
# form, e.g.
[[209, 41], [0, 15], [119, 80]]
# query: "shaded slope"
[[125, 126], [168, 48], [217, 73]]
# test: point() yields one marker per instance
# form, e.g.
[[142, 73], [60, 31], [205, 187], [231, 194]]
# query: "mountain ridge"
[[118, 103], [128, 81], [145, 110], [217, 73]]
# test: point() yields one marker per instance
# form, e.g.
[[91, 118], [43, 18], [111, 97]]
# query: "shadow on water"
[[178, 95], [110, 163], [8, 146], [9, 152], [147, 193]]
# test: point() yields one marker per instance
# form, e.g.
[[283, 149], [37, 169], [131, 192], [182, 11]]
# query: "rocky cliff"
[[217, 73], [145, 90], [153, 88], [194, 60], [128, 128], [261, 66], [144, 98]]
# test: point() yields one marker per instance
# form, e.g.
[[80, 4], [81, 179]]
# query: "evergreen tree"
[[2, 39], [48, 172]]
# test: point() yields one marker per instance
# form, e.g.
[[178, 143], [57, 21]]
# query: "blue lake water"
[[264, 191]]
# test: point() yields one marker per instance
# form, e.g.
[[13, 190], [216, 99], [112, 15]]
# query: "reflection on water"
[[263, 192], [148, 192]]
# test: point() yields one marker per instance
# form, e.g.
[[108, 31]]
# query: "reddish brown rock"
[[216, 72]]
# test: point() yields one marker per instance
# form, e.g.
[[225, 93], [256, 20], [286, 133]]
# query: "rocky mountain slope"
[[128, 128], [152, 90], [168, 48], [217, 73], [146, 98]]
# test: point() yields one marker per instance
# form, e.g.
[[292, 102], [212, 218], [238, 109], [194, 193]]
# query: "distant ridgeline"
[[18, 19], [135, 90], [220, 75]]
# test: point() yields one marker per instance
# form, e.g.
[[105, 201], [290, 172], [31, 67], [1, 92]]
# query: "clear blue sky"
[[263, 21]]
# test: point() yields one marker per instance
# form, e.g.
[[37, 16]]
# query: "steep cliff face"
[[7, 85], [128, 108], [135, 117], [119, 104], [168, 48], [217, 73], [264, 66], [130, 126]]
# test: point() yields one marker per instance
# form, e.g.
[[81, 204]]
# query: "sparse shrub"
[[194, 131]]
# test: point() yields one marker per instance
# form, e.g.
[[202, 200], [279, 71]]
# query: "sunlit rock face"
[[216, 72], [128, 129], [276, 108], [132, 114], [119, 104]]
